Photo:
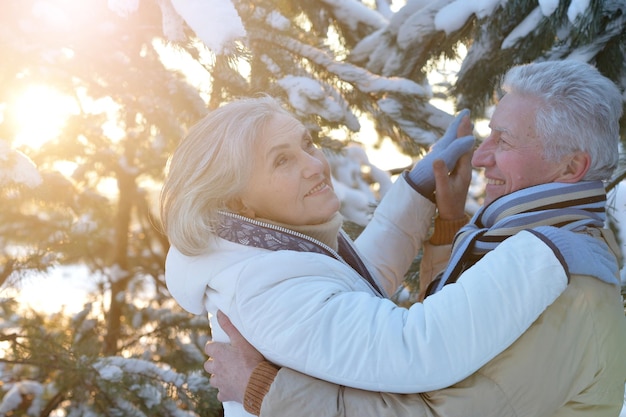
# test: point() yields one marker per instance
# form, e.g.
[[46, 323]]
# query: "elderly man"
[[554, 139]]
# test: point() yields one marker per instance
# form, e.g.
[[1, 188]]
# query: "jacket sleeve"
[[434, 261], [396, 233], [322, 327], [570, 360], [296, 394], [293, 393]]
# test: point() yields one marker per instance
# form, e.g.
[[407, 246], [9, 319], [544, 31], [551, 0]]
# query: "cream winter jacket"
[[571, 362], [313, 313]]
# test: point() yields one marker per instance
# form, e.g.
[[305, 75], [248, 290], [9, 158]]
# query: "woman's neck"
[[324, 232]]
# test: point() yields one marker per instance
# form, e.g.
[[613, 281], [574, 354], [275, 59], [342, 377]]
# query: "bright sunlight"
[[39, 115]]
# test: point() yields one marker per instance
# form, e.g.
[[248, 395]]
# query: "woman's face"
[[291, 180]]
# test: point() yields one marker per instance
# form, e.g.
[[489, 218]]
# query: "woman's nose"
[[311, 165]]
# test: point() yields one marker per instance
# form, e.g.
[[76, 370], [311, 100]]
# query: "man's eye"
[[500, 141], [505, 143]]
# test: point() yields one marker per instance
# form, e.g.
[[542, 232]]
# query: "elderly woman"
[[249, 208]]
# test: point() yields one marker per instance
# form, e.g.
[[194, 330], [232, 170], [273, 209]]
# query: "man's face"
[[291, 180], [512, 155]]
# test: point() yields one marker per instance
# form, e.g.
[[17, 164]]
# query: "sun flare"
[[39, 114]]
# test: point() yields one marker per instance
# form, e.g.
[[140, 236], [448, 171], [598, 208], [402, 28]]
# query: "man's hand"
[[230, 364]]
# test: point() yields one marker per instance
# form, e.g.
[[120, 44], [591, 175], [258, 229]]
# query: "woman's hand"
[[456, 142], [451, 185]]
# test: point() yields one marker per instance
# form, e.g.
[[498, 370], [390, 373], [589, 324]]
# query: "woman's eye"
[[281, 160], [309, 145]]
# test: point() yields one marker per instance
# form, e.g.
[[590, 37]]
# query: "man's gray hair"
[[579, 111]]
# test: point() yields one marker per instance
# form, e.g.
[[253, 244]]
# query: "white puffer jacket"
[[314, 314]]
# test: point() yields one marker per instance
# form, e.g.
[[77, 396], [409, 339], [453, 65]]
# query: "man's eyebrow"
[[504, 130], [499, 129]]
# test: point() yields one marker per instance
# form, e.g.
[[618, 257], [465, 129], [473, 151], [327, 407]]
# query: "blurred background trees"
[[95, 95]]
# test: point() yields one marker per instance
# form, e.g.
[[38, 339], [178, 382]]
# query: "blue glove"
[[582, 254], [449, 149]]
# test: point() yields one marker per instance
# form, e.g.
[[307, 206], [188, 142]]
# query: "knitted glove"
[[449, 149], [580, 253]]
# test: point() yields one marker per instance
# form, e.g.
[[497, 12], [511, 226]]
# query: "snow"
[[17, 168], [523, 29], [110, 373], [172, 23], [453, 16], [357, 198], [393, 109], [577, 8], [14, 396], [215, 22], [354, 12], [115, 366], [415, 27], [308, 96], [548, 6], [277, 21]]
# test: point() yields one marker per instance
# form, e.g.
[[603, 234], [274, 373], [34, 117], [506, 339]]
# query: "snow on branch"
[[215, 22], [360, 78], [16, 394], [453, 16], [528, 25], [309, 96], [17, 168], [395, 110], [113, 369], [353, 13]]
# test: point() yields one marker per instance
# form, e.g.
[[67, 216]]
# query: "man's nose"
[[483, 155]]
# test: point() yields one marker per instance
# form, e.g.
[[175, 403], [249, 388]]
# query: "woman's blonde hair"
[[210, 167]]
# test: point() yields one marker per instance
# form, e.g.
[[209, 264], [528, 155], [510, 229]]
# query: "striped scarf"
[[570, 206]]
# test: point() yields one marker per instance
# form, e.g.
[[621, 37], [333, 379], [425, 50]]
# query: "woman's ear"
[[576, 168], [236, 205]]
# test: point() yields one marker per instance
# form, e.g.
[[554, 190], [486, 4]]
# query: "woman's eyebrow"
[[277, 148]]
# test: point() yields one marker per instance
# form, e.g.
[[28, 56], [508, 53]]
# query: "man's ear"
[[576, 168]]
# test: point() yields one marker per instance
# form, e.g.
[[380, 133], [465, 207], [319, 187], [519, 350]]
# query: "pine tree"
[[131, 351], [364, 59]]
